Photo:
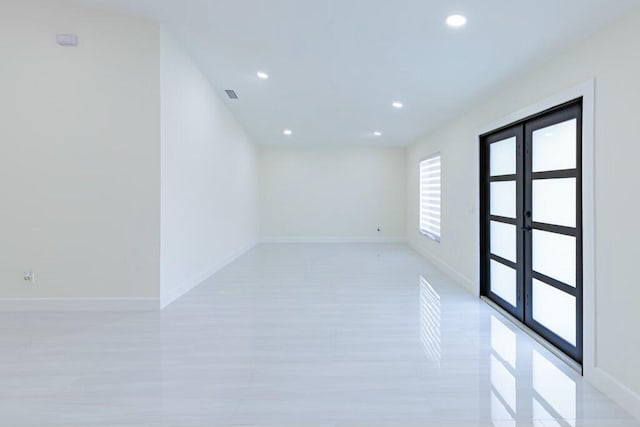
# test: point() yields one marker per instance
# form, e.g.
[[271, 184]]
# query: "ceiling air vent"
[[231, 94]]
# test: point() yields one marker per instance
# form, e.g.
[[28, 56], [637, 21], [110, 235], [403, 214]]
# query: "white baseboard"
[[316, 239], [78, 304], [615, 390], [465, 281], [179, 290], [116, 304]]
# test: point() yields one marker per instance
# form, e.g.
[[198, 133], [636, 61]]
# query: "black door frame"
[[522, 130]]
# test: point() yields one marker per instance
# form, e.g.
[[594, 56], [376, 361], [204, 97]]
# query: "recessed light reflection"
[[262, 75], [287, 132], [397, 104], [377, 133]]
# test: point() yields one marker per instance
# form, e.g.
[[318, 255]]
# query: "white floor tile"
[[295, 335]]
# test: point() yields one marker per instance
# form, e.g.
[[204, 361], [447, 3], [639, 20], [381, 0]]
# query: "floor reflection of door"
[[524, 380], [531, 223]]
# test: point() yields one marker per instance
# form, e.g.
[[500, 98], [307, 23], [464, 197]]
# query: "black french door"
[[531, 223]]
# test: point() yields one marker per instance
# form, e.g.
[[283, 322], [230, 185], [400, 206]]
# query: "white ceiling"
[[335, 66]]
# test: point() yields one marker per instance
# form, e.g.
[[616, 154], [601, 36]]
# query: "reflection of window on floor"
[[430, 318], [549, 394], [503, 342], [554, 394], [503, 372]]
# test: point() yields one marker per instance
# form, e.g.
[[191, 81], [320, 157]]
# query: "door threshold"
[[540, 340]]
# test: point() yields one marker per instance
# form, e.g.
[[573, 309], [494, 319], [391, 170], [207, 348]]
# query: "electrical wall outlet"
[[29, 277]]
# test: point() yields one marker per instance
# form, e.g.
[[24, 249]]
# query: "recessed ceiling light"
[[456, 20], [397, 104], [377, 133], [287, 132], [262, 75]]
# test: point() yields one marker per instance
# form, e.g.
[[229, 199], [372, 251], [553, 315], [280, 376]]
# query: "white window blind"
[[430, 196]]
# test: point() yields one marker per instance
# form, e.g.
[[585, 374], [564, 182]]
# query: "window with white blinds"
[[430, 196]]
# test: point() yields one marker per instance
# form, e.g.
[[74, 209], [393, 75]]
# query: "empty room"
[[329, 213]]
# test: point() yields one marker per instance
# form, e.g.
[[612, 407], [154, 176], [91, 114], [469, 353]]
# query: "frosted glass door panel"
[[503, 282], [503, 157], [554, 147], [503, 240], [503, 199], [554, 255], [554, 309], [554, 201]]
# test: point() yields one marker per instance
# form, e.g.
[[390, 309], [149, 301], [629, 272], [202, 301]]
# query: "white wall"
[[209, 178], [79, 153], [612, 57], [332, 193], [122, 174]]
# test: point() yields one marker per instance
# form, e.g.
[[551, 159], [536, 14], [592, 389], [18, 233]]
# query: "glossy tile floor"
[[295, 335]]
